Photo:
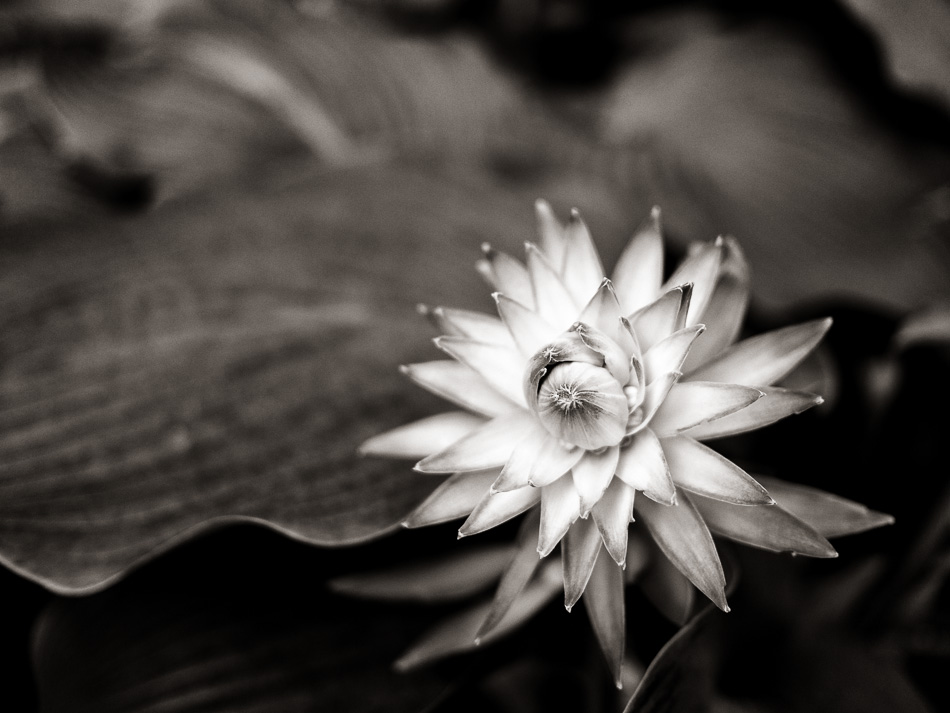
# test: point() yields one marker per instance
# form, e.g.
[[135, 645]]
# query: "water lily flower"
[[589, 402]]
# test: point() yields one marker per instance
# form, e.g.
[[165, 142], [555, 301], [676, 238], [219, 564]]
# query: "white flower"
[[592, 398]]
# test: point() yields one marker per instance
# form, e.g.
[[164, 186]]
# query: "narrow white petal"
[[553, 460], [517, 471], [499, 365], [603, 310], [681, 534], [616, 359], [560, 507], [579, 551], [639, 270], [668, 354], [458, 633], [496, 508], [831, 515], [456, 497], [554, 302], [726, 308], [528, 330], [653, 397], [701, 268], [550, 234], [764, 359], [459, 384], [439, 579], [516, 575], [700, 469], [612, 514], [487, 446], [605, 607], [643, 466], [776, 404], [466, 323], [424, 437], [583, 271], [768, 527], [693, 403], [660, 318], [507, 275], [593, 474]]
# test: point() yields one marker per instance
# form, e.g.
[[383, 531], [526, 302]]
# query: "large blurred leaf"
[[235, 623], [223, 359]]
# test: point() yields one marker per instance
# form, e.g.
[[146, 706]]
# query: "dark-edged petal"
[[454, 498], [668, 354], [764, 359], [642, 466], [517, 574], [496, 508], [654, 395], [691, 403], [440, 579], [550, 234], [831, 515], [612, 515], [553, 460], [592, 474], [616, 359], [639, 269], [501, 366], [507, 275], [583, 271], [528, 330], [769, 528], [457, 383], [579, 551], [699, 469], [560, 507], [775, 404], [489, 445], [423, 437], [665, 315], [605, 607], [603, 310], [701, 269], [552, 299], [681, 534]]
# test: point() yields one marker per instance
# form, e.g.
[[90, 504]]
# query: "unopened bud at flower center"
[[582, 404]]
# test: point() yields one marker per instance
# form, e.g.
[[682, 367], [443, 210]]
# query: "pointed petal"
[[456, 382], [551, 297], [701, 268], [616, 359], [583, 271], [612, 514], [507, 275], [579, 551], [764, 359], [593, 474], [424, 437], [466, 323], [528, 330], [668, 354], [603, 310], [454, 498], [831, 515], [489, 445], [457, 633], [560, 507], [499, 365], [681, 534], [516, 575], [775, 404], [726, 308], [700, 469], [496, 508], [438, 579], [517, 471], [605, 607], [768, 527], [639, 270], [654, 396], [665, 315], [553, 460], [550, 234], [643, 466], [667, 588], [693, 403]]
